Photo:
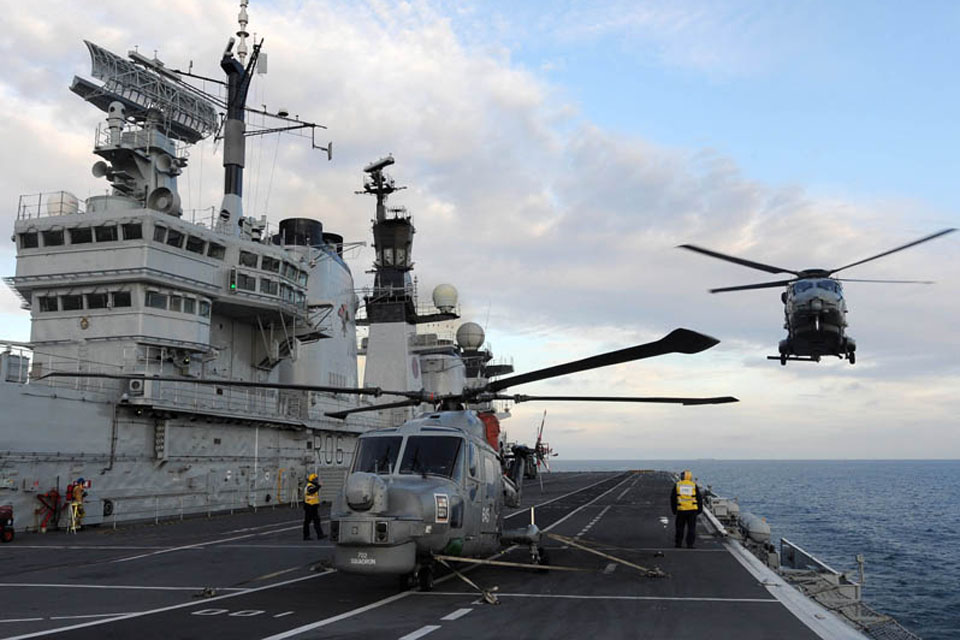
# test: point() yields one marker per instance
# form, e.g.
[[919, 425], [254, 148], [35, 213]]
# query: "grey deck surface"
[[143, 581]]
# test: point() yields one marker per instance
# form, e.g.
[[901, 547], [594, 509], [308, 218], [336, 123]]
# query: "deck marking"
[[524, 510], [610, 568], [263, 526], [337, 618], [459, 613], [275, 574], [184, 605], [111, 586], [422, 631], [583, 506], [562, 596], [23, 620], [105, 547], [284, 614], [202, 544], [624, 492], [596, 519], [88, 615]]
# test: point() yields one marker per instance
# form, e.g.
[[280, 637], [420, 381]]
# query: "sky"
[[554, 156]]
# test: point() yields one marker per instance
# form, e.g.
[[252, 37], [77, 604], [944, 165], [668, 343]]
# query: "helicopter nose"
[[365, 490], [816, 304]]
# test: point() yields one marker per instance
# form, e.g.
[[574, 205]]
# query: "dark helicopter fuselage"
[[815, 312], [430, 486]]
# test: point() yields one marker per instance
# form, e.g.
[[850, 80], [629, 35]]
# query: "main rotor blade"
[[341, 415], [886, 253], [362, 391], [745, 263], [652, 399], [760, 285], [677, 341], [888, 281]]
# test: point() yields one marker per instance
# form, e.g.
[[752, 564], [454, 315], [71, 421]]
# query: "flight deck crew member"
[[311, 507], [685, 503]]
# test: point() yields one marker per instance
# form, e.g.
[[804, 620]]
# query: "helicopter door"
[[491, 501]]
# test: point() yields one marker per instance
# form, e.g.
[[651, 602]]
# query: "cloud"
[[559, 234]]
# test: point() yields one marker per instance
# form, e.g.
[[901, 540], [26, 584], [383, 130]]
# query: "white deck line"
[[818, 619], [456, 615], [50, 632], [419, 633], [574, 596], [203, 544], [131, 587]]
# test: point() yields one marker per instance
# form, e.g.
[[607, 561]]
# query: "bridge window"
[[189, 306], [245, 282], [270, 287], [195, 244], [159, 233], [81, 235], [106, 233], [175, 238], [132, 231], [156, 300], [434, 455], [270, 264], [176, 303], [29, 240], [122, 299], [216, 251], [71, 302], [248, 259], [48, 303], [53, 237], [377, 454], [96, 301], [204, 309]]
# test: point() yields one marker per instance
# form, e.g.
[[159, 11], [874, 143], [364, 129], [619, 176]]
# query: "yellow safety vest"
[[311, 498], [686, 495]]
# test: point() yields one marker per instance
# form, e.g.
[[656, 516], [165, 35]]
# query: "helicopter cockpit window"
[[472, 456], [435, 455], [802, 286], [829, 285], [378, 455]]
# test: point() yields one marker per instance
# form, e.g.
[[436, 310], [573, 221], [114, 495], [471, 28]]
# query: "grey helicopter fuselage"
[[433, 485], [815, 312]]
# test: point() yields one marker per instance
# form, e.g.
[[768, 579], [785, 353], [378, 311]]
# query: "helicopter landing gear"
[[539, 556], [783, 359], [852, 357], [425, 577]]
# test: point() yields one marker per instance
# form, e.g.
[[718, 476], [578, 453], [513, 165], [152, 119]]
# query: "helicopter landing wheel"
[[783, 360], [407, 581], [852, 357], [541, 558], [425, 578]]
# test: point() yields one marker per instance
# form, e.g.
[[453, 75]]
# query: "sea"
[[902, 515]]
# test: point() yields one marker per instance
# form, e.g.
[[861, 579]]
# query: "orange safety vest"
[[686, 495]]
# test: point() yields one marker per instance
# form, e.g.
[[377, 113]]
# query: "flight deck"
[[250, 575]]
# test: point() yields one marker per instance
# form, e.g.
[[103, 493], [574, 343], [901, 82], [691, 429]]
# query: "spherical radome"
[[445, 297], [470, 335]]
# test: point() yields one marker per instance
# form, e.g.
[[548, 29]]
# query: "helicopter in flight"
[[814, 306], [436, 486]]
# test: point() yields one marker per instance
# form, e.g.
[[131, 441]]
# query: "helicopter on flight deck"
[[435, 487], [814, 306]]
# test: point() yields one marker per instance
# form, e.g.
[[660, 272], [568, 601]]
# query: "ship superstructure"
[[124, 284]]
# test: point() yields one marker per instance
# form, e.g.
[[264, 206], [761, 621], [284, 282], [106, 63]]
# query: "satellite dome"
[[445, 297], [470, 336]]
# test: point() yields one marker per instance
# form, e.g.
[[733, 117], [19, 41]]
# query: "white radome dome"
[[470, 336], [445, 297]]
